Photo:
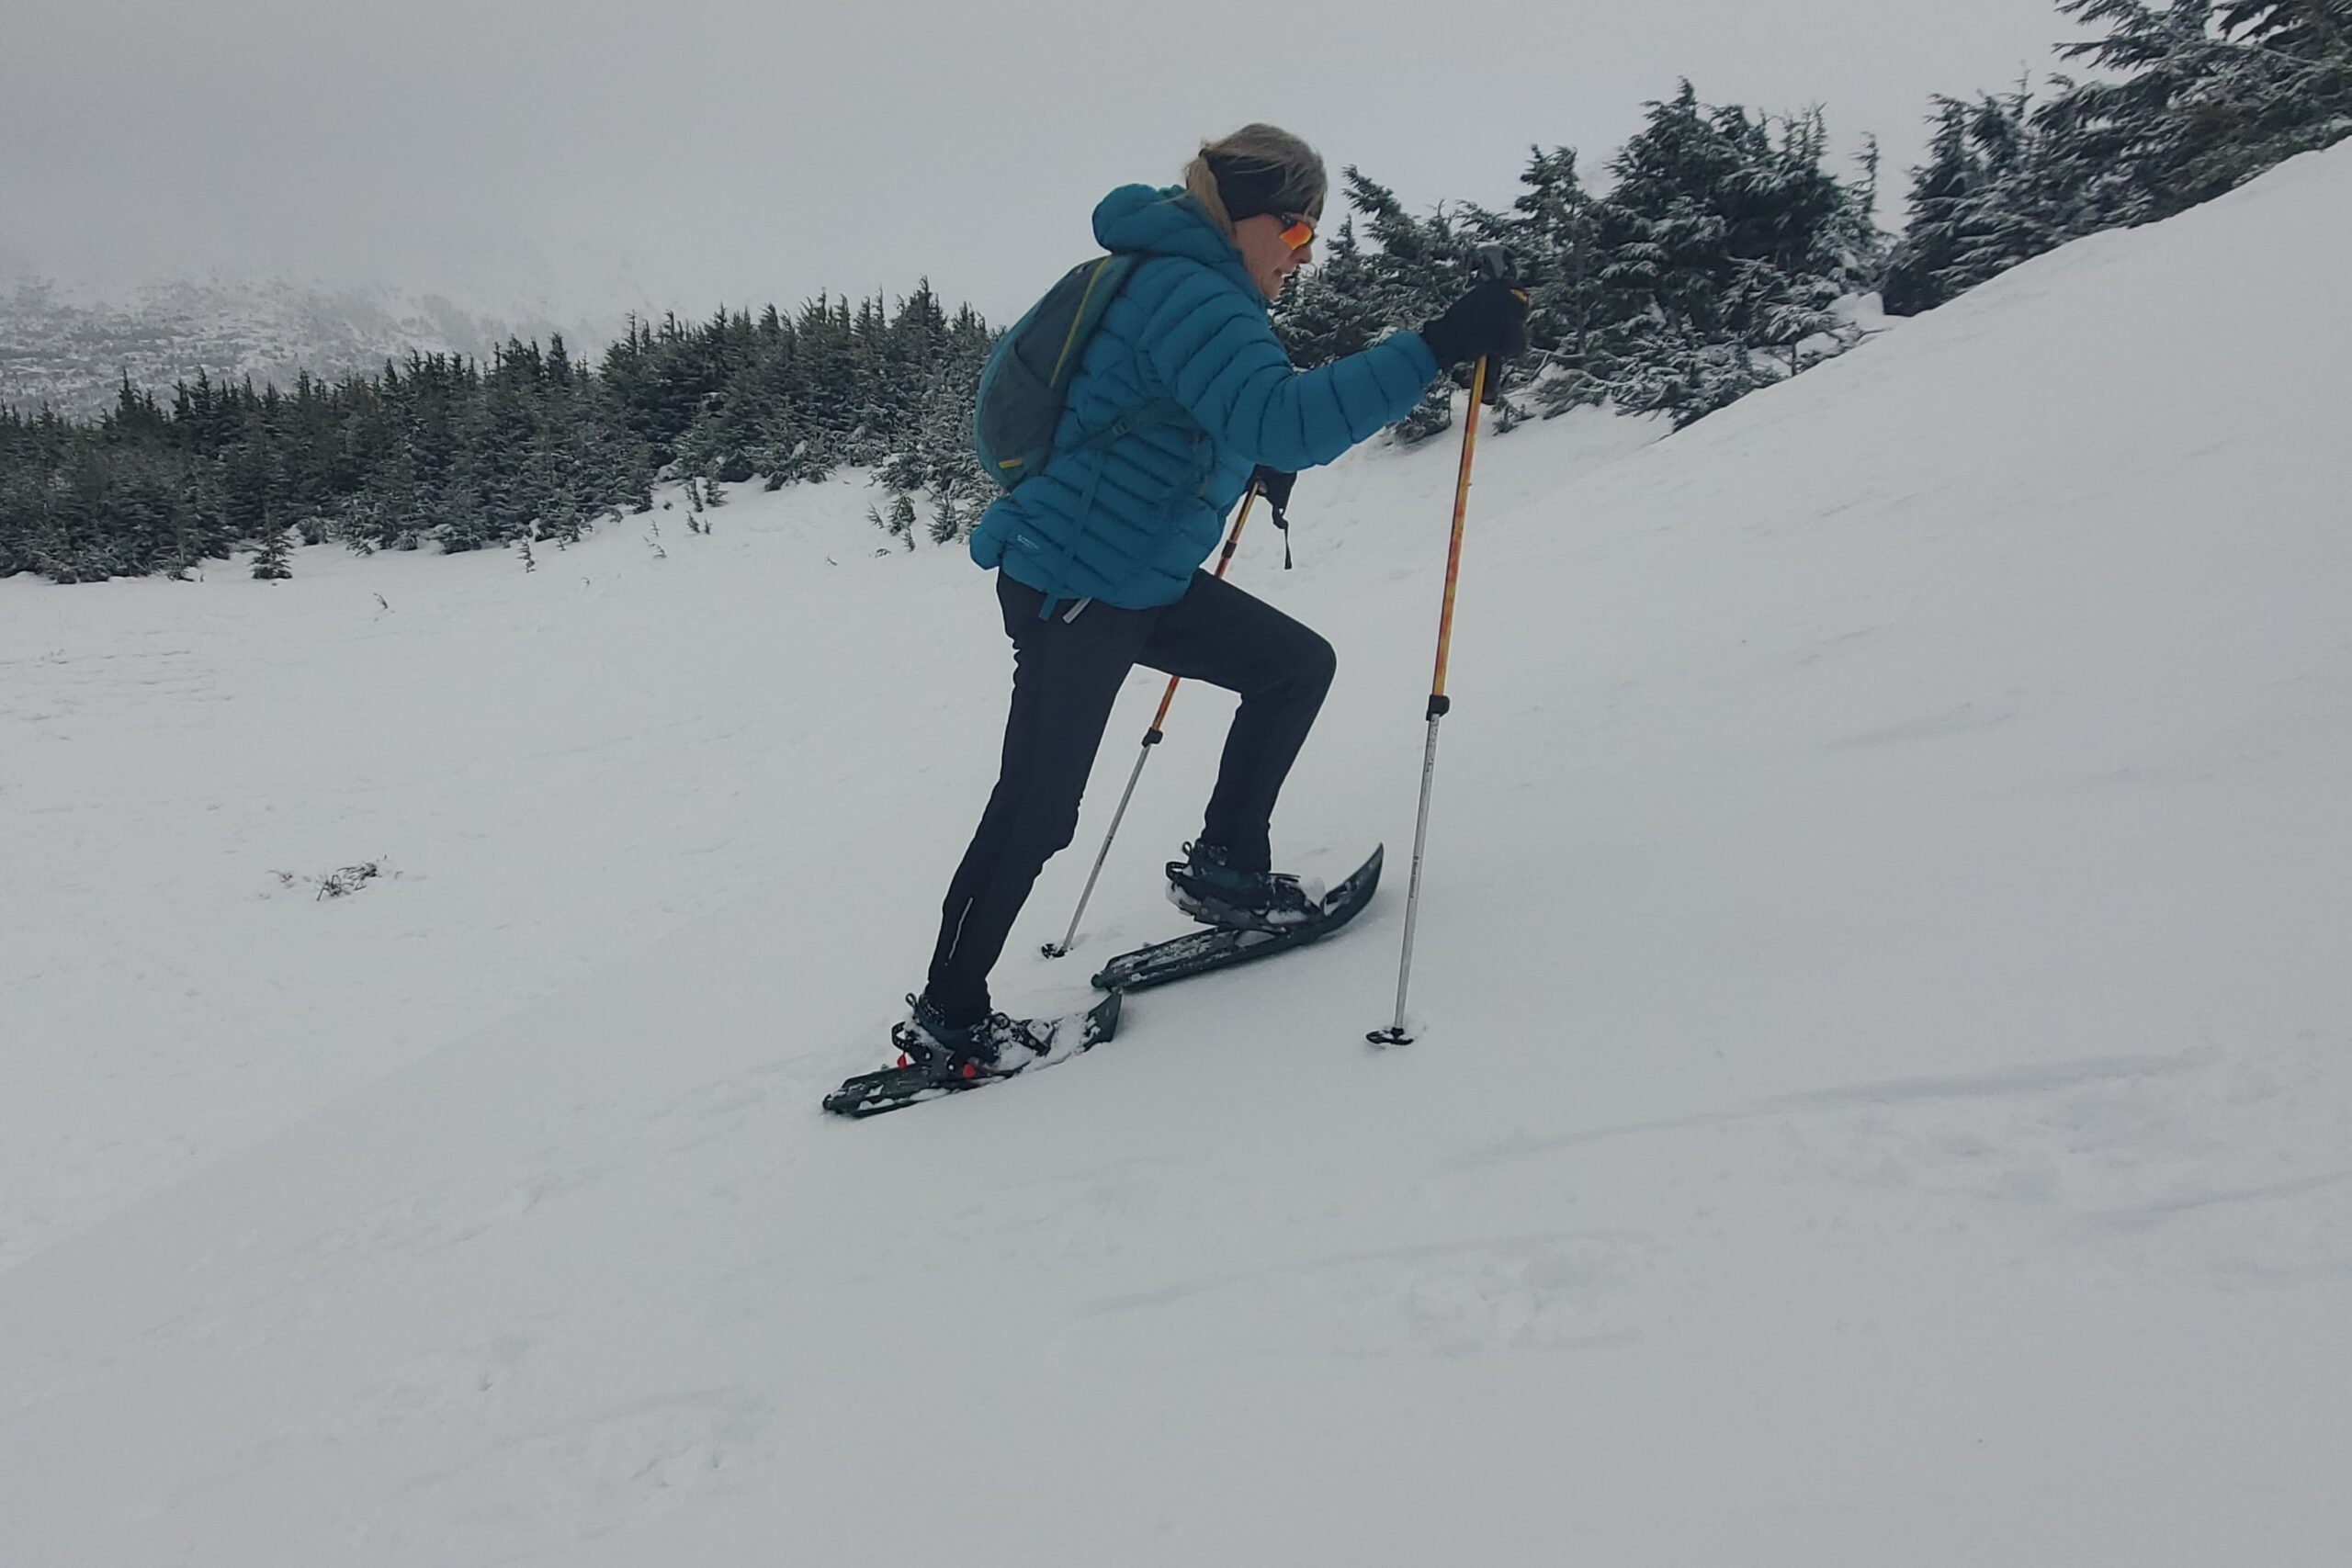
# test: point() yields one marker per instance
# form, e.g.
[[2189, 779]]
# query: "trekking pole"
[[1497, 264], [1151, 738]]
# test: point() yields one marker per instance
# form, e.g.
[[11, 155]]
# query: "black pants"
[[1067, 674]]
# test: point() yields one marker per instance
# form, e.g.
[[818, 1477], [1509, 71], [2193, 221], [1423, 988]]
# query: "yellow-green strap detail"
[[1063, 358]]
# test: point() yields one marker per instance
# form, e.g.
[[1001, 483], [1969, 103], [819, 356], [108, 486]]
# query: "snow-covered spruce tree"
[[2202, 95], [95, 501], [1723, 240], [931, 452], [616, 470], [905, 348], [660, 375], [273, 553], [945, 434], [560, 476], [759, 414], [67, 540], [1825, 245], [828, 380], [387, 512], [466, 504], [2197, 97], [948, 521], [1998, 188], [24, 484], [1559, 241]]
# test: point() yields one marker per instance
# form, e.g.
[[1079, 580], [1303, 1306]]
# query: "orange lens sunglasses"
[[1300, 233]]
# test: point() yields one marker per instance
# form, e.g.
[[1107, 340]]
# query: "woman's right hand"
[[1274, 485], [1489, 320]]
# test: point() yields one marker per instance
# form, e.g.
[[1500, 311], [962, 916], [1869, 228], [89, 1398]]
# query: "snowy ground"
[[1883, 1095]]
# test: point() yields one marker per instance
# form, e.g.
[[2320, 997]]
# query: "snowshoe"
[[1222, 947]]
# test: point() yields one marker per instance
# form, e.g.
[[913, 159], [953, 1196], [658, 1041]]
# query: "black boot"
[[1207, 885]]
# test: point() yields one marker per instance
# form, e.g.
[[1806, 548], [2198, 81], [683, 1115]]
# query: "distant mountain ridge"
[[71, 355]]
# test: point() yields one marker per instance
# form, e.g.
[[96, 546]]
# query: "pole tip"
[[1393, 1035], [1055, 950]]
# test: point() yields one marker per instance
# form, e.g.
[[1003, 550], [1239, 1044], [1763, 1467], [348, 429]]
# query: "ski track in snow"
[[1883, 1093]]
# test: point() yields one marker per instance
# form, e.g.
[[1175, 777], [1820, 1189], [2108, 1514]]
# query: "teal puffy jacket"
[[1127, 521]]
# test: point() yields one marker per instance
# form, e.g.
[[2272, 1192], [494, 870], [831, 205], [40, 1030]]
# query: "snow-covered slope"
[[1882, 1095]]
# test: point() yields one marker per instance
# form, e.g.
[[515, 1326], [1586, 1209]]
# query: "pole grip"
[[1495, 261]]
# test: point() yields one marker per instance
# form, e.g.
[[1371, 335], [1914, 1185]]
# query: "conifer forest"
[[1719, 251]]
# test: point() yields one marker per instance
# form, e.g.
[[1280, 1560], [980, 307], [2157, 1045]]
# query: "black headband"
[[1249, 188]]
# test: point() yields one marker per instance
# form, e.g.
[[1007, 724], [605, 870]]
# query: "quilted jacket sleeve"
[[1215, 352]]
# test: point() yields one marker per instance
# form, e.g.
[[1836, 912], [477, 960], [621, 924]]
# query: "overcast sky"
[[602, 152]]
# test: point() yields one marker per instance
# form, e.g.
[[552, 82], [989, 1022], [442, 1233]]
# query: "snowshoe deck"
[[1182, 957]]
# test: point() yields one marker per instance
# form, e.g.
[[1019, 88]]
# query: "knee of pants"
[[1319, 663], [1048, 834]]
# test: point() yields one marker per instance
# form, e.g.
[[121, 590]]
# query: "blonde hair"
[[1257, 149]]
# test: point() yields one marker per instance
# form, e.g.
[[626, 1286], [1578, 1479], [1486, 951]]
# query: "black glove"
[[1489, 320], [1274, 485]]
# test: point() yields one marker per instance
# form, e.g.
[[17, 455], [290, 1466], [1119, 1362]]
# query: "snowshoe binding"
[[937, 1058], [1208, 886], [925, 1039]]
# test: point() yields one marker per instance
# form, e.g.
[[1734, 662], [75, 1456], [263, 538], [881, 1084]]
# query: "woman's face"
[[1269, 257]]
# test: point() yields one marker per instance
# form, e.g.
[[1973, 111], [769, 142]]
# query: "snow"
[[1883, 1091]]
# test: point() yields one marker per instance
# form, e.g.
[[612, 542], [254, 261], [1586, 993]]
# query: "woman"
[[1098, 556]]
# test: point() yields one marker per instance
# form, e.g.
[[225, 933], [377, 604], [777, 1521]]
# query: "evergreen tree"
[[1726, 245], [1997, 188], [1561, 238], [2198, 98], [273, 554], [947, 521], [2203, 96]]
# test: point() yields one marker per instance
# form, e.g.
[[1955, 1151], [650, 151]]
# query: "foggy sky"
[[603, 153]]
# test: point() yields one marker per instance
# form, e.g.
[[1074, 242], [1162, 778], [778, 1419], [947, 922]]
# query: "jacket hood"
[[1168, 223]]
